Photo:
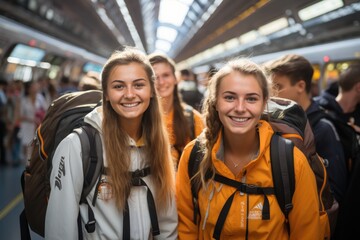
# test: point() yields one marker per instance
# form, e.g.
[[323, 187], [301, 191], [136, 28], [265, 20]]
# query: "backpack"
[[347, 135], [65, 115], [291, 128]]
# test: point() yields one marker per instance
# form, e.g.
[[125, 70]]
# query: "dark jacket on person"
[[328, 146]]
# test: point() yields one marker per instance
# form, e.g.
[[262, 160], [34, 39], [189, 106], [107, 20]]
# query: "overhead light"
[[173, 12], [162, 45], [273, 26], [166, 33], [248, 37], [232, 43], [319, 8]]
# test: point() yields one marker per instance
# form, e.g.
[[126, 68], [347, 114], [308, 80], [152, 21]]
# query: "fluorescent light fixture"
[[162, 45], [232, 43], [319, 8], [218, 49], [273, 26], [166, 33], [248, 37], [173, 12]]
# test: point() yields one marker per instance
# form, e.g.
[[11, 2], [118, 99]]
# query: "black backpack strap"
[[245, 188], [91, 149], [24, 227], [282, 164], [193, 166], [136, 180]]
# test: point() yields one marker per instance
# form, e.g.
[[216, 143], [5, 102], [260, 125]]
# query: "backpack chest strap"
[[245, 188], [136, 180]]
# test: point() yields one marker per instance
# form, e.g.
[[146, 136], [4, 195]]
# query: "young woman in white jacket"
[[133, 138]]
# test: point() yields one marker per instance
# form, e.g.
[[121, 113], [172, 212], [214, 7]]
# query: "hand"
[[353, 125]]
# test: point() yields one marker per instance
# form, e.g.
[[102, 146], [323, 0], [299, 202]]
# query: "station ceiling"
[[101, 26]]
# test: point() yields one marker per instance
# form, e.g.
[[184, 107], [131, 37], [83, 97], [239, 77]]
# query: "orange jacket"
[[198, 127], [245, 213]]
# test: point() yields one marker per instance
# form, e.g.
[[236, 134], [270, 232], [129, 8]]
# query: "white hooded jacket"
[[66, 186]]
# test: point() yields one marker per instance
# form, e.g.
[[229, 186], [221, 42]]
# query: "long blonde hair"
[[213, 123], [117, 149]]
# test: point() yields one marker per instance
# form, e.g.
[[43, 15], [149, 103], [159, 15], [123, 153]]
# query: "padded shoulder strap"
[[91, 149], [282, 165]]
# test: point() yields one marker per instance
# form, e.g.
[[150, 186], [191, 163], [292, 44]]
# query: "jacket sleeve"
[[329, 147], [304, 218], [186, 228], [66, 181]]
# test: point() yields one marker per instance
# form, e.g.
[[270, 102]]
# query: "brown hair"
[[349, 77], [179, 121], [294, 66], [116, 146]]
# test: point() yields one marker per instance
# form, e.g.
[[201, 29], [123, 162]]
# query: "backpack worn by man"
[[291, 127], [347, 135], [65, 115]]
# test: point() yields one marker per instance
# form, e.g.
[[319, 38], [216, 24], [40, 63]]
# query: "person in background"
[[134, 139], [15, 92], [3, 114], [346, 109], [183, 122], [291, 76], [32, 111], [188, 89], [90, 81], [66, 85], [236, 145], [203, 83]]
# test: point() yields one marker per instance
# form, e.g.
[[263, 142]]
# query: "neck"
[[249, 144], [167, 104], [305, 102], [132, 128], [346, 102]]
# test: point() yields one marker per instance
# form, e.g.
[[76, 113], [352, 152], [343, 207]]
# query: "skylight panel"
[[166, 33], [163, 45], [173, 12]]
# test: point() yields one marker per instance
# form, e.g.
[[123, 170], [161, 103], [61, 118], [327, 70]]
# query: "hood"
[[329, 102], [94, 118]]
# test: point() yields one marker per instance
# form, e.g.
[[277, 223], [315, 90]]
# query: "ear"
[[357, 87], [301, 86]]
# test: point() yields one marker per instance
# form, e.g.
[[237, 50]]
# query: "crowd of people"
[[150, 118], [23, 107]]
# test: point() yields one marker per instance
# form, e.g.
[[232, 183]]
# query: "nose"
[[240, 106], [159, 81], [129, 93]]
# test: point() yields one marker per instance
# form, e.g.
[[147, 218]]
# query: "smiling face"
[[165, 79], [240, 103], [129, 91]]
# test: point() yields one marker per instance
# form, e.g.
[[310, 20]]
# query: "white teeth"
[[130, 104], [239, 119]]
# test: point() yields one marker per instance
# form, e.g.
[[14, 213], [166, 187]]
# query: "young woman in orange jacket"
[[236, 145]]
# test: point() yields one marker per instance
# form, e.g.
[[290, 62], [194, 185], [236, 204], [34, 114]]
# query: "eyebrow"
[[248, 94], [135, 80]]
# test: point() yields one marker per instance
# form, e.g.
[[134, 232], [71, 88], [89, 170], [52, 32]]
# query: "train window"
[[24, 54], [315, 91], [92, 67], [333, 70]]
